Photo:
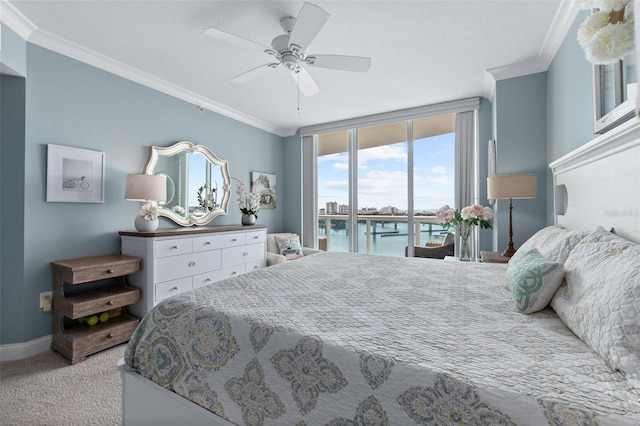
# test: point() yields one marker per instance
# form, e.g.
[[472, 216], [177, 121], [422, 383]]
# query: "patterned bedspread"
[[348, 339]]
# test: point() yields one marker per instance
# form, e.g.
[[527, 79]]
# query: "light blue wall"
[[520, 132], [569, 103], [73, 104], [13, 50]]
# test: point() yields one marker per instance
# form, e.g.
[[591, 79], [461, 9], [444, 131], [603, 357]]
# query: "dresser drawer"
[[252, 266], [209, 242], [170, 268], [233, 240], [230, 272], [99, 271], [87, 340], [205, 279], [171, 288], [173, 247], [244, 254], [254, 237]]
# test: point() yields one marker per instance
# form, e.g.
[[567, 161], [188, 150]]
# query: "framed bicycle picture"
[[75, 175]]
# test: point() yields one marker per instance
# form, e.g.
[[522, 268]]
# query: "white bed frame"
[[602, 182]]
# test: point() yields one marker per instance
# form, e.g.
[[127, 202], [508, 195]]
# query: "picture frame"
[[74, 175], [265, 184]]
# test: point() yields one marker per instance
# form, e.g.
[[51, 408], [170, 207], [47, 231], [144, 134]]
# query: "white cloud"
[[438, 170]]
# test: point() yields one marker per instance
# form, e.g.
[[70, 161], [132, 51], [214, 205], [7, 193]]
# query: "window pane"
[[382, 189], [333, 191], [434, 174]]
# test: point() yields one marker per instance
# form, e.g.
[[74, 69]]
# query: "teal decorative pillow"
[[533, 280], [289, 246]]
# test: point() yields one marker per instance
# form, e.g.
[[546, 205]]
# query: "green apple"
[[92, 320], [104, 317]]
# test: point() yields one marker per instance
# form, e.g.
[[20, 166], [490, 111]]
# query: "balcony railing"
[[377, 226]]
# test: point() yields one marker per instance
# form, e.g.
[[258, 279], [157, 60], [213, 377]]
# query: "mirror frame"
[[155, 152]]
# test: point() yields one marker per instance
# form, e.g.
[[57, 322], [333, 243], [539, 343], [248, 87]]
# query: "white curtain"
[[466, 170]]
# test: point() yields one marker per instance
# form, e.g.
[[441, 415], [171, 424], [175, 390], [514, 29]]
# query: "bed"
[[349, 339]]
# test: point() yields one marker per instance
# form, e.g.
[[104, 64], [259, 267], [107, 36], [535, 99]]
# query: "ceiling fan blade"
[[305, 83], [340, 62], [254, 73], [235, 39], [309, 22]]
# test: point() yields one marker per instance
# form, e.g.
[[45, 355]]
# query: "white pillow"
[[600, 302], [533, 280], [553, 242]]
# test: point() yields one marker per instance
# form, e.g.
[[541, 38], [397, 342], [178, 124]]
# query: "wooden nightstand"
[[71, 301], [493, 257]]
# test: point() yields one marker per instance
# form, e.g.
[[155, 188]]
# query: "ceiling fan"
[[290, 50]]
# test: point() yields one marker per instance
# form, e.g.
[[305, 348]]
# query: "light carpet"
[[46, 390]]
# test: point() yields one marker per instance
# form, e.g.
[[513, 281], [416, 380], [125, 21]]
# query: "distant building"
[[332, 207], [368, 210], [343, 209], [322, 211]]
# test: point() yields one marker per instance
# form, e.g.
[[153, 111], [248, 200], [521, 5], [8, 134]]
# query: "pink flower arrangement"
[[469, 217]]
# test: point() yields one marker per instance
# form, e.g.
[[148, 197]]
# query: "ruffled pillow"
[[600, 302], [289, 246], [533, 280], [553, 242]]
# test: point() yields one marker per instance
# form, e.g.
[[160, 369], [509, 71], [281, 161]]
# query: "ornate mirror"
[[198, 182]]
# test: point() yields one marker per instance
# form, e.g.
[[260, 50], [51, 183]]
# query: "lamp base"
[[143, 225], [509, 251]]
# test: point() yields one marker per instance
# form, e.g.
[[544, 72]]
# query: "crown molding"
[[30, 33], [15, 20], [562, 22]]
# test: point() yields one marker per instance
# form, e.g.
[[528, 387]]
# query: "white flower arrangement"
[[248, 203], [607, 35], [149, 211]]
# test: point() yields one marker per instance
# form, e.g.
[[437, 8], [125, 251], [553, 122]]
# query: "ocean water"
[[391, 239]]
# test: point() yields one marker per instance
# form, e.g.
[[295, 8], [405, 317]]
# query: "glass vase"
[[464, 231], [465, 250]]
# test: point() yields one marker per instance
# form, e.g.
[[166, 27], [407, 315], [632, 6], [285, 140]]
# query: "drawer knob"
[[109, 271], [234, 240], [245, 254], [255, 267], [173, 248], [256, 237], [208, 280], [192, 263], [234, 273], [109, 336], [208, 243], [110, 302], [175, 288]]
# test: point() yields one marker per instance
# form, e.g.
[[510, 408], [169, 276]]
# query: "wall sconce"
[[560, 199]]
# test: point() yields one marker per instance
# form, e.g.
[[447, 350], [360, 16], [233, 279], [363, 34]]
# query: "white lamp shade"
[[511, 186], [146, 188]]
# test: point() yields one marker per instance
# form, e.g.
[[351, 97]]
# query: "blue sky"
[[382, 175]]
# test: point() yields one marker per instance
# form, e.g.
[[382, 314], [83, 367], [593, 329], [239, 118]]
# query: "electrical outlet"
[[45, 301]]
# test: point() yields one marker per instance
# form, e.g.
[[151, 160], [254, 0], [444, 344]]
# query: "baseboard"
[[16, 351]]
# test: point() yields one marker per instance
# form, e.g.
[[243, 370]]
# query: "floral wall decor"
[[608, 34]]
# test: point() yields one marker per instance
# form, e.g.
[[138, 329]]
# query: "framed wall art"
[[74, 175], [265, 184]]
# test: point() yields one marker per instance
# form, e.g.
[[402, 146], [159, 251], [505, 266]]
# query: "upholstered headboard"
[[599, 183]]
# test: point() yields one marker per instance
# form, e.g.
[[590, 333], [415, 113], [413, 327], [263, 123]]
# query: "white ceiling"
[[423, 52]]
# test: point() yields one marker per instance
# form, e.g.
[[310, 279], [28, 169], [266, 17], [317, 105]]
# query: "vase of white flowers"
[[464, 221], [147, 218], [249, 204]]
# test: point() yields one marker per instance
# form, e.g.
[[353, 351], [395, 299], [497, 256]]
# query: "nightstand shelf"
[[72, 301], [493, 257]]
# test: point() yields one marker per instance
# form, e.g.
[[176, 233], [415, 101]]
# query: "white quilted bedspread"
[[348, 339]]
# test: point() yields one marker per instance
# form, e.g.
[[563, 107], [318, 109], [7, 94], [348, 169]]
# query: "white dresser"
[[177, 260]]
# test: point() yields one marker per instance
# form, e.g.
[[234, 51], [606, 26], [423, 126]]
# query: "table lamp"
[[149, 189], [502, 187]]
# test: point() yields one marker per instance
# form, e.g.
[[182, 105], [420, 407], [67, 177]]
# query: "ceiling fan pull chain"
[[298, 91]]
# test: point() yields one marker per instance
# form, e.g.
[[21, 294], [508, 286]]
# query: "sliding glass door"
[[378, 187]]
